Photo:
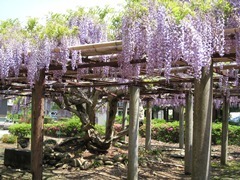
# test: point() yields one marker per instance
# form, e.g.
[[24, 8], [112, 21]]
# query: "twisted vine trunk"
[[111, 119], [84, 106]]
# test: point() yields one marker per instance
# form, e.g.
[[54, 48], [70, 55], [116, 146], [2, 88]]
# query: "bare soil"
[[165, 161]]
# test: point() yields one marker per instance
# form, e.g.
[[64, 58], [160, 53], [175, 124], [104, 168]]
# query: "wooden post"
[[188, 134], [166, 114], [224, 144], [37, 127], [148, 125], [181, 127], [202, 126], [133, 134], [124, 117]]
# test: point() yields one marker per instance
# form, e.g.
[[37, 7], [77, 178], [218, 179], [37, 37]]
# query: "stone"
[[50, 142], [17, 158], [59, 156], [23, 142], [121, 165], [58, 165], [108, 163], [118, 158], [48, 150], [65, 166], [86, 165], [52, 162], [74, 163]]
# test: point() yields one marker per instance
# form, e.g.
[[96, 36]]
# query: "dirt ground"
[[166, 163]]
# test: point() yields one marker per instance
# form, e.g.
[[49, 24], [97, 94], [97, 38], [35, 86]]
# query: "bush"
[[169, 132], [9, 139], [118, 120], [20, 130], [48, 120], [162, 131], [69, 128], [100, 129], [216, 133]]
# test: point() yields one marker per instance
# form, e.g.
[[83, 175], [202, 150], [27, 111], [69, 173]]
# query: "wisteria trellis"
[[155, 34]]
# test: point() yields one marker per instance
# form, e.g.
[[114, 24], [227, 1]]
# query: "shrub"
[[69, 128], [169, 132], [48, 120], [216, 133], [9, 138], [118, 119], [100, 129], [234, 135], [161, 131], [20, 130]]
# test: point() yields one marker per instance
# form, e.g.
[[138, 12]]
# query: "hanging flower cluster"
[[175, 100], [233, 100], [165, 38], [36, 46]]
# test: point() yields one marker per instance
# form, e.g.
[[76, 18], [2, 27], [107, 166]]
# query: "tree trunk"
[[224, 145], [189, 133], [111, 118], [133, 134], [148, 125], [91, 113], [202, 126], [181, 127], [37, 127]]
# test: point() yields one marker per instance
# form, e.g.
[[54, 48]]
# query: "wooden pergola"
[[91, 53]]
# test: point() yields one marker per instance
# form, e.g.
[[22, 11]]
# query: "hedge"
[[169, 132]]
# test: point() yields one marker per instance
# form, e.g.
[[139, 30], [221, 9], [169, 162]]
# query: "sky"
[[22, 9]]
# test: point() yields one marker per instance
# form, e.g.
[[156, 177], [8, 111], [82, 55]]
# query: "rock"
[[50, 142], [118, 158], [181, 156], [23, 142], [58, 165], [52, 162], [100, 157], [108, 163], [48, 150], [59, 156], [105, 158], [65, 166], [86, 165], [121, 165], [74, 163], [98, 163], [17, 158], [118, 144]]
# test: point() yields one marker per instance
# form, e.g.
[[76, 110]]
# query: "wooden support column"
[[124, 117], [202, 126], [165, 110], [37, 127], [224, 144], [188, 134], [133, 134], [181, 127], [148, 125]]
